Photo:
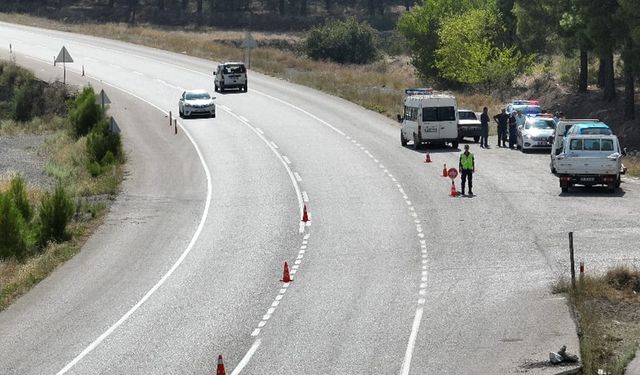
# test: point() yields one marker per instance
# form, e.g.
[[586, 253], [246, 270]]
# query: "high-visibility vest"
[[466, 161]]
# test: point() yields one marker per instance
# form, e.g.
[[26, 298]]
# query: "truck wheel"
[[403, 141], [454, 145], [618, 183], [565, 189], [611, 188], [476, 139], [416, 144]]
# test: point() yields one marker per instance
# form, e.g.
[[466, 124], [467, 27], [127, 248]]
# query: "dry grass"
[[608, 309], [633, 165]]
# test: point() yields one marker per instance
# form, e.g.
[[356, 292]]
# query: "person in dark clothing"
[[467, 167], [512, 130], [484, 128], [502, 119]]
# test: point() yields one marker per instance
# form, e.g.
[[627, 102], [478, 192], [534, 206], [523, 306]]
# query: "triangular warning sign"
[[64, 56], [102, 98], [248, 41]]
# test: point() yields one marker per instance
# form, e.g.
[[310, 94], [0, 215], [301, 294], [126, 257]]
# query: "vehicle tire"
[[611, 188], [416, 144], [618, 183], [180, 113], [215, 87], [403, 141], [476, 139], [213, 116], [565, 189], [524, 150], [221, 87], [245, 87], [454, 145]]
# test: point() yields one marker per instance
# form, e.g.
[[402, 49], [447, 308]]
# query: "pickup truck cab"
[[589, 159], [562, 128]]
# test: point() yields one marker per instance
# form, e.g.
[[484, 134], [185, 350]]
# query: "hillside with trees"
[[581, 53]]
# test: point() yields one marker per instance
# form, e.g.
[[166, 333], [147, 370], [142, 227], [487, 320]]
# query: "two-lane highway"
[[392, 276]]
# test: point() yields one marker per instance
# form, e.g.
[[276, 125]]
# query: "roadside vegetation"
[[578, 56], [42, 226], [608, 311]]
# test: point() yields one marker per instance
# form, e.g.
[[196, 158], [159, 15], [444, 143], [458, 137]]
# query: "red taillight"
[[565, 178]]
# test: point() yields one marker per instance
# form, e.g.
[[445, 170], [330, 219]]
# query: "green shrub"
[[55, 212], [18, 194], [103, 146], [12, 230], [84, 112], [343, 42], [23, 102]]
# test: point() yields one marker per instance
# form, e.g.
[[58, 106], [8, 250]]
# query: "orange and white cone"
[[286, 278], [305, 215], [427, 159], [220, 370], [444, 171], [454, 192]]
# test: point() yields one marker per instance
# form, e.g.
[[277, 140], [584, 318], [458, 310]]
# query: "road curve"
[[392, 277]]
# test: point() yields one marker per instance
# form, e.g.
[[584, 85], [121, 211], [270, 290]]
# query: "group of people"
[[506, 122]]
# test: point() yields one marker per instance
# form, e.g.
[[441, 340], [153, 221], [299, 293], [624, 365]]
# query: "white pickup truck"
[[589, 160]]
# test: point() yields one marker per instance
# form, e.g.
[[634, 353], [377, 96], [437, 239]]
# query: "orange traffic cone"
[[454, 192], [427, 158], [444, 171], [220, 370], [305, 215], [285, 275]]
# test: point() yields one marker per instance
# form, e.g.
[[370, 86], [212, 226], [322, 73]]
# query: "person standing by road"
[[484, 128], [502, 119], [467, 167], [513, 121]]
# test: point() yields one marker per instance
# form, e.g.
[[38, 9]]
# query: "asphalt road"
[[391, 277]]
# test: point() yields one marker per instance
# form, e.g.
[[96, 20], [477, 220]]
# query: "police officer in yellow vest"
[[467, 167]]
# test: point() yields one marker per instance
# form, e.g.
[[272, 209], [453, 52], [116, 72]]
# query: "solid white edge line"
[[164, 278], [247, 357], [406, 365]]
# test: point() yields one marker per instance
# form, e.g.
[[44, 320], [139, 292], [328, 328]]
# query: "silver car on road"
[[196, 103]]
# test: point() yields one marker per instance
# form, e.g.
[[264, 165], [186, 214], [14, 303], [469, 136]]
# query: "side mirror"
[[399, 118]]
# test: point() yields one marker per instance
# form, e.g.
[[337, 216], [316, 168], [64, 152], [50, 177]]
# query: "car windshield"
[[543, 124], [197, 96], [467, 115], [234, 69]]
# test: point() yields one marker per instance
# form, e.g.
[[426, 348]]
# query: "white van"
[[429, 118]]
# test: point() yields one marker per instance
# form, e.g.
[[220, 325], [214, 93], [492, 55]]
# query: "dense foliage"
[[490, 41], [343, 42], [55, 213], [85, 112]]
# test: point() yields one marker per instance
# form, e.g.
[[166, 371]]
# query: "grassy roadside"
[[608, 311], [67, 162]]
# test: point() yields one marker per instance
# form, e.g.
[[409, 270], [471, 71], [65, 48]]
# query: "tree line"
[[489, 42]]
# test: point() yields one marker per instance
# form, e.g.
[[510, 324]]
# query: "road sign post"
[[64, 57], [248, 44]]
